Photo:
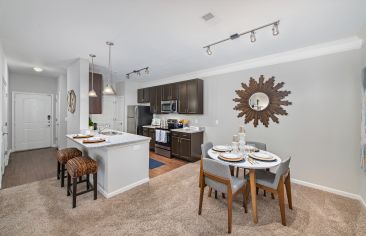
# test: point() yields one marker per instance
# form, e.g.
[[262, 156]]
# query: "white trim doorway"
[[52, 124]]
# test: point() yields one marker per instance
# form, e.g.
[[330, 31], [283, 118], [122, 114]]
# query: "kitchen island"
[[123, 160]]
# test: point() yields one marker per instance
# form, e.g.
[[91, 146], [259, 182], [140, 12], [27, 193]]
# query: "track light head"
[[252, 37], [275, 30], [209, 52]]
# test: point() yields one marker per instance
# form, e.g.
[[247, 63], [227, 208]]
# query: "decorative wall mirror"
[[262, 100], [71, 101]]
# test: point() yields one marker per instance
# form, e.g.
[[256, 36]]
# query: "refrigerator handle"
[[136, 118]]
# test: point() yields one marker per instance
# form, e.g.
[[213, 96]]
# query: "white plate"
[[262, 156], [222, 148], [230, 155]]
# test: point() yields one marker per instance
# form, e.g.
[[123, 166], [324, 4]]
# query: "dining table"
[[252, 165]]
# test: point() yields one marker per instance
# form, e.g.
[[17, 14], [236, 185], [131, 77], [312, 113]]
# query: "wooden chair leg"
[[281, 200], [229, 211], [58, 169], [62, 175], [257, 190], [209, 191], [202, 189], [245, 198], [223, 195], [74, 189], [237, 171], [264, 193], [95, 185], [215, 194], [288, 191], [87, 182], [68, 184], [272, 195]]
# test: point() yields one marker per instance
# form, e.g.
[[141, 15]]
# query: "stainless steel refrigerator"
[[137, 116]]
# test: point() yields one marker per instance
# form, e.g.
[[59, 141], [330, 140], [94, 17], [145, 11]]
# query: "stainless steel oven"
[[169, 106]]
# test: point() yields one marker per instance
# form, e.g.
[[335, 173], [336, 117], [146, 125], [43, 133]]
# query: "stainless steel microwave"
[[169, 106]]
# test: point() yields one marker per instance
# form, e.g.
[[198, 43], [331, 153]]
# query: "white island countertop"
[[121, 138], [123, 160]]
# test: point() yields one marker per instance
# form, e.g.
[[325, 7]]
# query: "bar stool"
[[78, 167], [63, 156]]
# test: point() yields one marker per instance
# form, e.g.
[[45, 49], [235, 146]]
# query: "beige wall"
[[322, 130], [363, 172]]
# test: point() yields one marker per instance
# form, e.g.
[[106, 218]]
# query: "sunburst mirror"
[[261, 100]]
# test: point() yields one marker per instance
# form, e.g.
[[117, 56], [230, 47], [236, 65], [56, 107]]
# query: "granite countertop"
[[121, 138], [189, 131]]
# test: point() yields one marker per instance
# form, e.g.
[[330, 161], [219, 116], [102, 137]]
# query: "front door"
[[32, 121]]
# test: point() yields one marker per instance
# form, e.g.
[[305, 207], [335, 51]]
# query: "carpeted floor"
[[168, 205]]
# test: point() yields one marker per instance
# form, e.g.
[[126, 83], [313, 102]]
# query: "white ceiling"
[[166, 35]]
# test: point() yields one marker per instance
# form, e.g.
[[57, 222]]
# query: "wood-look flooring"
[[34, 165]]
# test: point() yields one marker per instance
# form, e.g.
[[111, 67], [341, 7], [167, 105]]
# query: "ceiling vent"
[[208, 16]]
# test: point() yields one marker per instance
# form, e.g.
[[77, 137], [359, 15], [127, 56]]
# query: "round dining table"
[[252, 165]]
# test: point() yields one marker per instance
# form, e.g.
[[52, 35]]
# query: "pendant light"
[[92, 92], [108, 90]]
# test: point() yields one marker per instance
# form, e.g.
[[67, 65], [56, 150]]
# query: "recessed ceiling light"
[[37, 69]]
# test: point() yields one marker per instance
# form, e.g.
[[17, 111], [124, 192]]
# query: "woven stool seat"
[[80, 166], [64, 155]]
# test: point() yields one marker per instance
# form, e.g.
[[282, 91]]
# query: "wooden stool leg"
[[58, 170], [95, 185], [68, 184], [62, 175], [74, 189], [87, 182]]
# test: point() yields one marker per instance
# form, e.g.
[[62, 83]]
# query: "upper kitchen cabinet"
[[190, 97], [143, 95], [95, 103], [169, 92]]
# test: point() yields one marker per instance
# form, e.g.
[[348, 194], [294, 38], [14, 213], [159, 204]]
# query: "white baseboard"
[[121, 190], [331, 190]]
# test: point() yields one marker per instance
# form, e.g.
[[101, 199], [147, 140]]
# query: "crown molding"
[[338, 46]]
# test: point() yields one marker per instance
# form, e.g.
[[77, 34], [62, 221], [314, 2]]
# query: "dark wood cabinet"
[[95, 103], [189, 95], [187, 146], [169, 92], [182, 98], [143, 95], [150, 132], [175, 144]]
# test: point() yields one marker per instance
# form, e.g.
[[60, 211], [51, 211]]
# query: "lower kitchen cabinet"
[[187, 146], [148, 132]]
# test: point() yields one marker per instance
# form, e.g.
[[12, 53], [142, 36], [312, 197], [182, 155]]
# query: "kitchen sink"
[[110, 133]]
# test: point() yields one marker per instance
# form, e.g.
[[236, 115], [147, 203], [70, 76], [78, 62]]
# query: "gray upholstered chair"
[[218, 176], [205, 147], [275, 184]]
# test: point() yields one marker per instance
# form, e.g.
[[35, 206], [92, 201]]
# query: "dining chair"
[[218, 176], [275, 183], [205, 148]]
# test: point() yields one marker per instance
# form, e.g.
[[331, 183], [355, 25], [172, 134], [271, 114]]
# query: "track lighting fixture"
[[275, 30], [146, 70], [252, 37], [209, 52], [252, 32]]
